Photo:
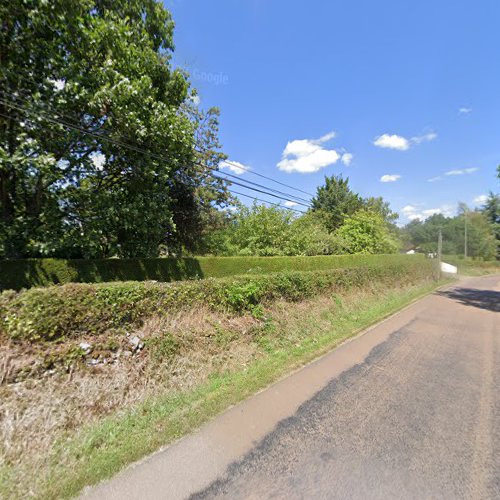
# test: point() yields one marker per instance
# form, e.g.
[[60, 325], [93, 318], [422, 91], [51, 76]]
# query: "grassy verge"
[[471, 267], [290, 336]]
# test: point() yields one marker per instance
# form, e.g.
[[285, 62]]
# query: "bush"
[[366, 232], [71, 310], [27, 273]]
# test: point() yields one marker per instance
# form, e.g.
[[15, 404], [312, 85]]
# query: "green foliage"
[[259, 230], [381, 207], [272, 231], [309, 236], [491, 210], [103, 67], [163, 347], [480, 234], [17, 274], [336, 201], [57, 312], [366, 232]]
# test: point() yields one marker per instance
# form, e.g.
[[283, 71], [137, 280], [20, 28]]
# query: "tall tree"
[[491, 209], [335, 200], [480, 238], [381, 207], [137, 179]]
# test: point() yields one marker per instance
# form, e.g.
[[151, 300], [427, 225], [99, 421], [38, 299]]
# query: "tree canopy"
[[480, 234], [102, 152], [336, 201], [366, 232], [352, 225]]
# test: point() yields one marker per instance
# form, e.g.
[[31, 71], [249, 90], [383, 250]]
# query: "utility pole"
[[465, 234], [440, 251]]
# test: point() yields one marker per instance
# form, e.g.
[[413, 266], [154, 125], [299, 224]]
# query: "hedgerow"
[[57, 312], [27, 273]]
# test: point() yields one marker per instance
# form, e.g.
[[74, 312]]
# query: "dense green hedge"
[[27, 273], [71, 310]]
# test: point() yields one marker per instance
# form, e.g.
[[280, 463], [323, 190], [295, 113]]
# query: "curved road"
[[410, 409]]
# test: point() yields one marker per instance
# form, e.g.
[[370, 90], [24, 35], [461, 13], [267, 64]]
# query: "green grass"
[[100, 450], [27, 273], [471, 267]]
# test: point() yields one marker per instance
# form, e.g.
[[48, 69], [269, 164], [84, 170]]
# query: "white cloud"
[[429, 136], [464, 111], [394, 141], [452, 173], [290, 204], [98, 159], [481, 199], [390, 178], [412, 212], [462, 171], [328, 136], [308, 155], [346, 159], [234, 166]]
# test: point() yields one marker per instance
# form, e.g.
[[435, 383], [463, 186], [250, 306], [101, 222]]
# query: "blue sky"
[[410, 88]]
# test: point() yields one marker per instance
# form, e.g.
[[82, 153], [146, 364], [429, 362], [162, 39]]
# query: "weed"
[[164, 347]]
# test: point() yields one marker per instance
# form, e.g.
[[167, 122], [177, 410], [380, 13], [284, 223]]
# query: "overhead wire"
[[236, 165], [264, 189], [270, 202]]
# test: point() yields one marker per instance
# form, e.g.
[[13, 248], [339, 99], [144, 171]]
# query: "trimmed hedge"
[[27, 273], [71, 310]]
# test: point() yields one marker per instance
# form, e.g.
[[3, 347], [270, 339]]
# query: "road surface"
[[409, 409]]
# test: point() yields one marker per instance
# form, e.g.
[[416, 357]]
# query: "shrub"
[[72, 310], [27, 273]]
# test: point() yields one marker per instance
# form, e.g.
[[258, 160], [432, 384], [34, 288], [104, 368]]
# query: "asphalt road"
[[410, 409]]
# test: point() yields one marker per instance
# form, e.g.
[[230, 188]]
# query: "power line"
[[266, 187], [264, 192], [238, 193], [270, 202], [246, 169], [229, 162], [104, 137]]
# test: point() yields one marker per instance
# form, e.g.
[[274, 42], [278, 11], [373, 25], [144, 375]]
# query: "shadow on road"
[[484, 299]]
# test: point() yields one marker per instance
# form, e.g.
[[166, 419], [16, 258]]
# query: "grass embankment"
[[84, 423], [27, 273], [471, 267]]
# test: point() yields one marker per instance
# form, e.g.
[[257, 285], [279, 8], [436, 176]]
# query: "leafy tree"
[[491, 209], [141, 179], [261, 230], [336, 201], [366, 232], [309, 236], [382, 207], [480, 239], [258, 230]]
